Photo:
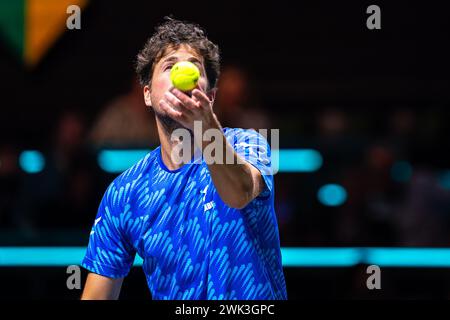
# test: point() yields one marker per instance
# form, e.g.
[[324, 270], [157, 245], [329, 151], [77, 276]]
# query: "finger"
[[171, 112], [185, 99], [176, 103], [202, 97]]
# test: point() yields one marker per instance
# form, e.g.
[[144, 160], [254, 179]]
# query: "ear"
[[147, 92]]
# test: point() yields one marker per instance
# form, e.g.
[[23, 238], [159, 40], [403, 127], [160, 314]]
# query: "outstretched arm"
[[238, 182]]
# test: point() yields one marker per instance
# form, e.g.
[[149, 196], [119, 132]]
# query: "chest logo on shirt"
[[208, 205]]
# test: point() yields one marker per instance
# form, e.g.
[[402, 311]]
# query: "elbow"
[[240, 199], [237, 204]]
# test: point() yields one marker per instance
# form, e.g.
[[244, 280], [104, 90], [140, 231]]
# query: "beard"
[[169, 124]]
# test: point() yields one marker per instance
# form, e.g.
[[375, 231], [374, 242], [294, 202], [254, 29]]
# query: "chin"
[[168, 123]]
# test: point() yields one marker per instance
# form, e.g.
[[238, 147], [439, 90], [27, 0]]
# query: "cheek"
[[160, 85]]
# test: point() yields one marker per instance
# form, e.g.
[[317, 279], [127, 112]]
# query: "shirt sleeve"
[[253, 148], [109, 252]]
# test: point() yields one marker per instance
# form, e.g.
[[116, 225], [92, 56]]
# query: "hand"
[[185, 110]]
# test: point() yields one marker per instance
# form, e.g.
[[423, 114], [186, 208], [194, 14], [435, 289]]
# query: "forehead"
[[182, 52]]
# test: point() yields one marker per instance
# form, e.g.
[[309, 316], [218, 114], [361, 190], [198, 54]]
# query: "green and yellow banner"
[[31, 27]]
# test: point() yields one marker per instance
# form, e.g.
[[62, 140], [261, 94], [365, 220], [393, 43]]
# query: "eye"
[[168, 67]]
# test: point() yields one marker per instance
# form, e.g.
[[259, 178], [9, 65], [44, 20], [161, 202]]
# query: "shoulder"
[[238, 131], [253, 147], [136, 171], [240, 134], [248, 141], [121, 188]]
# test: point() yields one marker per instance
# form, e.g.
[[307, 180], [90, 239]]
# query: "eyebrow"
[[174, 58]]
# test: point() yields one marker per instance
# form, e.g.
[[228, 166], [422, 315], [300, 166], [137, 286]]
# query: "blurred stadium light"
[[117, 161], [31, 161], [297, 160], [401, 171], [290, 160], [332, 195], [409, 257], [292, 257], [444, 180]]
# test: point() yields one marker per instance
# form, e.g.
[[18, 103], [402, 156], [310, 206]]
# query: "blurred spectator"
[[423, 218], [236, 104], [125, 122], [402, 130], [368, 215], [9, 177], [335, 139], [286, 205], [402, 122], [64, 194], [332, 123]]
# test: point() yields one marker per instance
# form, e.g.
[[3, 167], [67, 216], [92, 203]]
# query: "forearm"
[[236, 181]]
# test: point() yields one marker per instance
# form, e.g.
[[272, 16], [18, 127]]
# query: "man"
[[204, 230]]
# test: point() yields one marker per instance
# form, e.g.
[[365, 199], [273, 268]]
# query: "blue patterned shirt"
[[192, 244]]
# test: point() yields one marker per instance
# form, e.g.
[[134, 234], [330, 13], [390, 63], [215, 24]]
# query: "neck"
[[168, 145]]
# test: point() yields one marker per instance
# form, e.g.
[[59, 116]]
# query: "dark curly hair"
[[171, 34]]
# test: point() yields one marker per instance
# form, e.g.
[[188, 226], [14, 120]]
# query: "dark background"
[[364, 98]]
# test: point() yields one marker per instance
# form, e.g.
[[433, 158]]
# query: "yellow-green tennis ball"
[[184, 75]]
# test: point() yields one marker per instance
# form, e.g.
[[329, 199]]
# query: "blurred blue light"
[[297, 160], [332, 195], [288, 160], [40, 256], [116, 161], [444, 180], [320, 257], [291, 257], [401, 171], [31, 161], [409, 257]]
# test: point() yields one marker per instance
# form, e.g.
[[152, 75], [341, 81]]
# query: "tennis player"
[[204, 230]]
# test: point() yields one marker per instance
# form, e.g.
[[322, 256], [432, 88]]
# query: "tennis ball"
[[184, 75]]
